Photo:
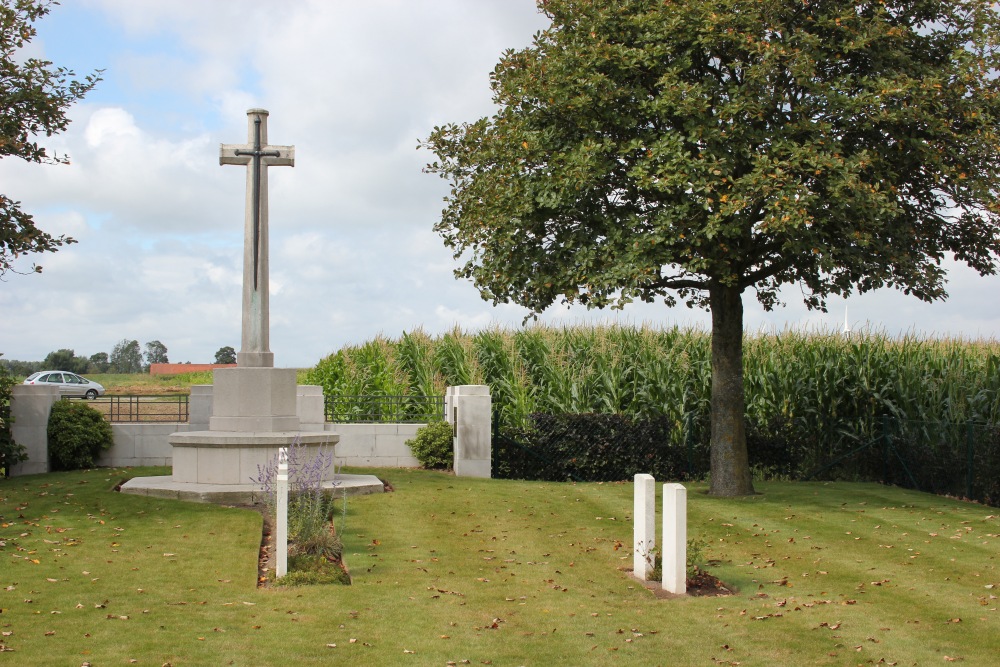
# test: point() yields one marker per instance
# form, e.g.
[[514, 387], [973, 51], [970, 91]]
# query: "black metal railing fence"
[[140, 408], [384, 409]]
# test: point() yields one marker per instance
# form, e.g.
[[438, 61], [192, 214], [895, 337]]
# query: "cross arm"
[[227, 153], [285, 156]]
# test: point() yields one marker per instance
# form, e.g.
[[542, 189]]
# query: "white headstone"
[[257, 156], [644, 518], [675, 538]]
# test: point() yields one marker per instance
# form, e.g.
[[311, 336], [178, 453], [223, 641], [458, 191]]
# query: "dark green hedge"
[[954, 459], [592, 447]]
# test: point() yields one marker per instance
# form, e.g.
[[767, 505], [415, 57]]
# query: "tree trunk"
[[730, 465]]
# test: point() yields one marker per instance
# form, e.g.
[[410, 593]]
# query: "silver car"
[[70, 384]]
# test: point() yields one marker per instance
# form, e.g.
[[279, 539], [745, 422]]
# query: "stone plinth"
[[233, 457], [253, 400]]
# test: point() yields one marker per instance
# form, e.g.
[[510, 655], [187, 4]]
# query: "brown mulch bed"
[[702, 584]]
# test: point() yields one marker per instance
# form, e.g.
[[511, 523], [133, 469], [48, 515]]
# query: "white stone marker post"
[[281, 512], [644, 520], [675, 538]]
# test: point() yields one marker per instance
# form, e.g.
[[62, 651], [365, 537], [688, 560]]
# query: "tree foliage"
[[66, 360], [225, 355], [156, 353], [658, 150], [126, 357], [98, 363], [34, 98]]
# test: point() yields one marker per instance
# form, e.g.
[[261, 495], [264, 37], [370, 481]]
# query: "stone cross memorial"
[[257, 156]]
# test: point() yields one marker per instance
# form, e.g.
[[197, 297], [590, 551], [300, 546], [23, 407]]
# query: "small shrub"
[[11, 453], [77, 435], [695, 557], [433, 447]]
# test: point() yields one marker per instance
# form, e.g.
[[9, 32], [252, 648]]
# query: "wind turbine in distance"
[[847, 327]]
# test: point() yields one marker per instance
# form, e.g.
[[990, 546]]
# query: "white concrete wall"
[[142, 444], [146, 444], [375, 445], [370, 445]]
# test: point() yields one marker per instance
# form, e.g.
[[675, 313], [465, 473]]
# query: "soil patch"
[[267, 564], [702, 584]]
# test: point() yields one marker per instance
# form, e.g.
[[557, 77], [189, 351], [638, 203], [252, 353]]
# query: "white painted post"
[[675, 538], [644, 520], [281, 539]]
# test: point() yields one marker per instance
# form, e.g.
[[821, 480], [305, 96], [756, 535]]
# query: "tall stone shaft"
[[257, 155]]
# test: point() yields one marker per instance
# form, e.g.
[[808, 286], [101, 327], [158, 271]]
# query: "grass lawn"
[[498, 572]]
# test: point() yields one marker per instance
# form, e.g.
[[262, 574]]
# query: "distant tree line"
[[126, 357]]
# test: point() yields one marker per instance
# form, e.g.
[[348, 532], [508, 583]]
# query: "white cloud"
[[353, 86]]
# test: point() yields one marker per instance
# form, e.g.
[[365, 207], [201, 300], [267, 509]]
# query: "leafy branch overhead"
[[650, 149], [688, 151], [34, 98]]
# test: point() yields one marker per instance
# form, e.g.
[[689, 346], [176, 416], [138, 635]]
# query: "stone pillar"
[[644, 518], [30, 408], [469, 409], [310, 407], [675, 538], [199, 407]]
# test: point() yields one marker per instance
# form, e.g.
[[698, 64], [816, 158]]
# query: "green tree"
[[34, 98], [126, 357], [689, 151], [21, 368], [156, 353], [98, 363], [66, 360], [225, 355]]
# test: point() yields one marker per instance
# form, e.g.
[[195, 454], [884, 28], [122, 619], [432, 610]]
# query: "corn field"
[[807, 385]]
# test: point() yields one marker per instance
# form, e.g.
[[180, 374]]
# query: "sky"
[[354, 86]]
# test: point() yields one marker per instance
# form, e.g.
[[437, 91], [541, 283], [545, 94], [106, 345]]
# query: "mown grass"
[[498, 572]]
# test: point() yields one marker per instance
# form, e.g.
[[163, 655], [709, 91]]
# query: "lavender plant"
[[310, 505]]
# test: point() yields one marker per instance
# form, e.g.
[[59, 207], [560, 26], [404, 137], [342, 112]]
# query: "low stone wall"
[[375, 445], [371, 445], [141, 445]]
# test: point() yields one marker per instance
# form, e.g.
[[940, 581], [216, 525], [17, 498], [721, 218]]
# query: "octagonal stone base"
[[233, 457]]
